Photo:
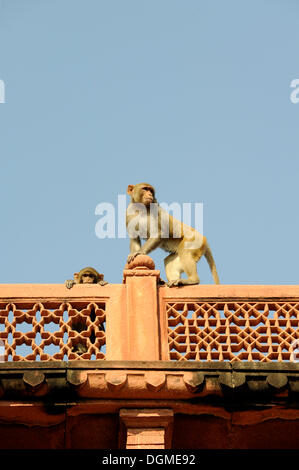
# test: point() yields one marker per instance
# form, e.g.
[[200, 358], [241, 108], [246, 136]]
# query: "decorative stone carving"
[[141, 262]]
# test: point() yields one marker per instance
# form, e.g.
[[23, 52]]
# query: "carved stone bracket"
[[145, 428]]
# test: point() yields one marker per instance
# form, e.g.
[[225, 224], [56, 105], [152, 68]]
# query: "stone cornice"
[[159, 380]]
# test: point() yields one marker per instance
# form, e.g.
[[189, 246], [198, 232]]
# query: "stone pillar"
[[133, 329], [142, 309], [145, 428]]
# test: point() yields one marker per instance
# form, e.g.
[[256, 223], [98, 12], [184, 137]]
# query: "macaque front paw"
[[102, 283], [132, 256], [69, 283]]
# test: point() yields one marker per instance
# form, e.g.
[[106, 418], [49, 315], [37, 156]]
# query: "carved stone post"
[[133, 318], [142, 309]]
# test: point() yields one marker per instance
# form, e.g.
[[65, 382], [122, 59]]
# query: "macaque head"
[[143, 193], [89, 276]]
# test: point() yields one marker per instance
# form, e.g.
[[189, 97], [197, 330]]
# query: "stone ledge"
[[152, 365], [28, 291]]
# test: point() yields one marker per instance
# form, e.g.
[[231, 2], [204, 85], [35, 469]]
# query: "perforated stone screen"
[[232, 331], [53, 330]]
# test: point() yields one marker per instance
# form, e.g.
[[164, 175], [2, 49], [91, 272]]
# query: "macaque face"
[[143, 193], [88, 278], [147, 195]]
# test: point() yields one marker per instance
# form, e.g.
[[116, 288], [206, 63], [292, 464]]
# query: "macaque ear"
[[130, 189], [76, 276]]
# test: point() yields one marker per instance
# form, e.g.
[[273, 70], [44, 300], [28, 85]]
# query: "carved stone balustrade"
[[142, 319], [157, 361]]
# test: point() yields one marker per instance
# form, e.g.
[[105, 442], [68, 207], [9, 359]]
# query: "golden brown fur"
[[185, 245]]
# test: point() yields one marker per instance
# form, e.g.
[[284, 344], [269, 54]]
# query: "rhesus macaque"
[[185, 245], [86, 276]]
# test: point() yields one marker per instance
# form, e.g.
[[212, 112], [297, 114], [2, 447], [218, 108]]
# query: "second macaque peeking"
[[86, 276]]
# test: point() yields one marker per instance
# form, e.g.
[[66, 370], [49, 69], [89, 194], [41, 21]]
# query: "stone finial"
[[141, 266], [141, 262]]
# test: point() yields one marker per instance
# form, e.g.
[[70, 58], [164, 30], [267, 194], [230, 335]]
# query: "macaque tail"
[[211, 263]]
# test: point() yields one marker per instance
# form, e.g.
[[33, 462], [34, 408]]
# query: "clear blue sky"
[[192, 96]]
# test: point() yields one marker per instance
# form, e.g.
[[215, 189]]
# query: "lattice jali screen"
[[232, 331], [52, 331]]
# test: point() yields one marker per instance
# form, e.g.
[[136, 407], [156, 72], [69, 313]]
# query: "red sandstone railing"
[[144, 320], [234, 329]]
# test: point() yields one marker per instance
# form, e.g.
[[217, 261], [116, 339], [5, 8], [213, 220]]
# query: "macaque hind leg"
[[173, 268], [188, 265]]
